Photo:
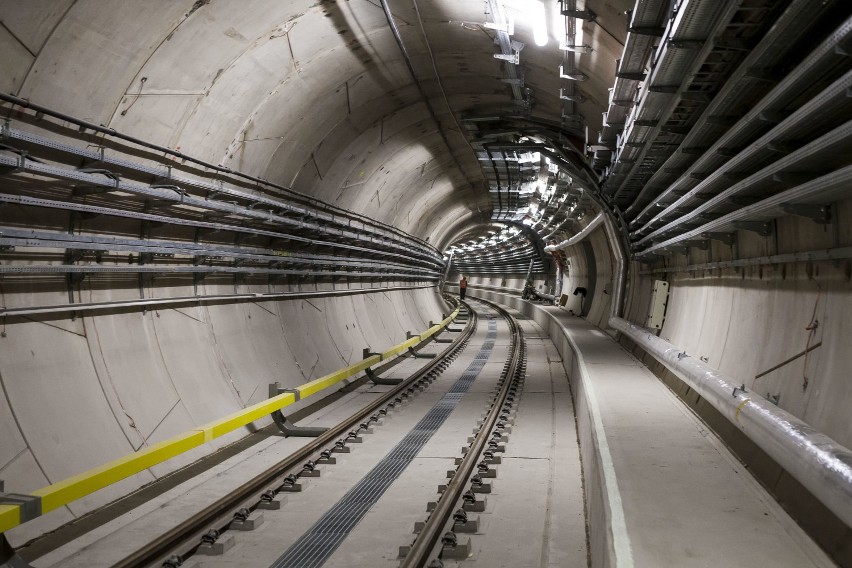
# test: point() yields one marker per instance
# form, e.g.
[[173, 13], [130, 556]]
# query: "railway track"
[[441, 534]]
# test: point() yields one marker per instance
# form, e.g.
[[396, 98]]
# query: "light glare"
[[539, 23]]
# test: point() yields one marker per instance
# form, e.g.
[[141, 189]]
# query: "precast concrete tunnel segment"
[[231, 236]]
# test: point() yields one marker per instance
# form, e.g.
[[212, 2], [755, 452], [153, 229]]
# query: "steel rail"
[[219, 512], [429, 537]]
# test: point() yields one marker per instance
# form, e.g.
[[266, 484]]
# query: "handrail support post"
[[284, 425]]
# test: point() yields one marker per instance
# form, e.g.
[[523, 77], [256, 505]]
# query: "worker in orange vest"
[[462, 287]]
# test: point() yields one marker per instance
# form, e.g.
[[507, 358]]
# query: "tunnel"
[[225, 226]]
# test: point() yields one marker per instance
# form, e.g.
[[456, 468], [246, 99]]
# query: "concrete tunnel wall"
[[597, 303], [311, 96], [747, 321], [81, 392]]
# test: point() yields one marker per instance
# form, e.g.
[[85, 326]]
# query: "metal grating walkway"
[[314, 547]]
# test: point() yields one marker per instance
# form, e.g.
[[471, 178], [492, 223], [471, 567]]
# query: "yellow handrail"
[[63, 492]]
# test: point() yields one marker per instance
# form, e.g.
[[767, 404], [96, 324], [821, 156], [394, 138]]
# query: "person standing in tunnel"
[[462, 287]]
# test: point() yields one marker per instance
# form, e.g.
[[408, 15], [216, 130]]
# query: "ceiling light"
[[539, 23]]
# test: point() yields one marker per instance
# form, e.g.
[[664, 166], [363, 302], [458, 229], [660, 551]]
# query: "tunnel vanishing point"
[[229, 226]]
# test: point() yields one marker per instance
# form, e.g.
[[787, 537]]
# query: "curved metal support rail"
[[63, 492]]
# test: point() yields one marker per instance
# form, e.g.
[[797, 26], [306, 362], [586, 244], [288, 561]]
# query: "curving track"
[[425, 474]]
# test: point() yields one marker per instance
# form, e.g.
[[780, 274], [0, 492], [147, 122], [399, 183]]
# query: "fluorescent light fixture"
[[539, 23], [558, 22]]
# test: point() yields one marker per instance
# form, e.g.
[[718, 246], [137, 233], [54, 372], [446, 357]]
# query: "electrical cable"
[[811, 329], [401, 45]]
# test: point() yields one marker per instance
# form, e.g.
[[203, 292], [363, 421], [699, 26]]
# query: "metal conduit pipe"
[[816, 461], [585, 232], [25, 103], [401, 45], [619, 279]]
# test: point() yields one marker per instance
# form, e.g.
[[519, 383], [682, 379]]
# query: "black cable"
[[401, 45]]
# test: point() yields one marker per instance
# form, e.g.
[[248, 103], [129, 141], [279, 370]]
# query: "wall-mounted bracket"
[[8, 557], [288, 428], [377, 380], [574, 76], [817, 213], [763, 228], [417, 355], [367, 353], [576, 48], [647, 30], [30, 505], [18, 167], [585, 15], [630, 76], [727, 238], [577, 98]]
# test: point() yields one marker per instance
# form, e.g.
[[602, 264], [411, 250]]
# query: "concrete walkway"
[[672, 492]]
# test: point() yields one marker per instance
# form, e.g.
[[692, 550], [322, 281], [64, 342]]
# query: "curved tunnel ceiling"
[[681, 123], [317, 95], [626, 99]]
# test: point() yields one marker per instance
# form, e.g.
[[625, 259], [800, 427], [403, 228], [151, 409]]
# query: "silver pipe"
[[93, 307], [579, 236], [619, 278], [816, 461]]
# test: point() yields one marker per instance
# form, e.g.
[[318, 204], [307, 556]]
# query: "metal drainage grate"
[[315, 546]]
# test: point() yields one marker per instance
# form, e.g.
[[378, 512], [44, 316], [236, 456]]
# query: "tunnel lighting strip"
[[23, 163], [60, 494], [819, 463], [40, 110], [214, 227], [95, 307]]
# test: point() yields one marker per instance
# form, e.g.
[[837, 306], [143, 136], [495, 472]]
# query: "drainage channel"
[[437, 538], [313, 548]]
